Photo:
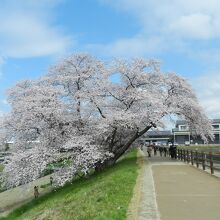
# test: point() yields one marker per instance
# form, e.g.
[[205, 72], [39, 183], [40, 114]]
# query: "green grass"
[[102, 196]]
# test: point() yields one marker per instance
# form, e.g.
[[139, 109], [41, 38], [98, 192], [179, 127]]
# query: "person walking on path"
[[172, 150], [161, 151], [149, 150], [165, 151], [155, 149]]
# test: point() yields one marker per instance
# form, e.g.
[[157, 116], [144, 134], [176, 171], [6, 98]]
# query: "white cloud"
[[126, 47], [208, 91], [160, 15], [27, 30], [174, 22], [193, 26]]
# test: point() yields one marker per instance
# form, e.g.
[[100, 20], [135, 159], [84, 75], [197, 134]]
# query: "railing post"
[[181, 154], [211, 162], [184, 155], [203, 160], [192, 159], [197, 160]]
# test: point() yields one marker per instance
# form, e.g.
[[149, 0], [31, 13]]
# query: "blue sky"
[[184, 35]]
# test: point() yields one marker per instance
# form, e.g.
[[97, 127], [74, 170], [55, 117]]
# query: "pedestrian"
[[165, 151], [172, 150], [155, 149], [149, 150], [161, 151], [36, 192]]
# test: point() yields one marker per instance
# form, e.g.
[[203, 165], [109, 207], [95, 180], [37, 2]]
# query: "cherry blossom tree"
[[78, 113]]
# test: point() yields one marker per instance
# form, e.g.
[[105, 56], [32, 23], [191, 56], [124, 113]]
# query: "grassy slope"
[[104, 195]]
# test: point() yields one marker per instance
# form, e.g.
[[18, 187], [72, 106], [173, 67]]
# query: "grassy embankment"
[[102, 196]]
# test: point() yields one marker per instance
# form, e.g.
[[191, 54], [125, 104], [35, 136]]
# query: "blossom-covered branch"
[[78, 113]]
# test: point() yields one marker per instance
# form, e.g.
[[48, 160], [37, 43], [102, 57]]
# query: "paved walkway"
[[173, 190], [143, 205]]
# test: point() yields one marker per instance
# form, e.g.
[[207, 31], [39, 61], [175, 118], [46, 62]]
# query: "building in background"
[[182, 134], [158, 137]]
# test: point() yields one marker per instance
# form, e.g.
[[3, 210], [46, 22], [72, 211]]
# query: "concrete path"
[[15, 197], [184, 192], [143, 205], [178, 191]]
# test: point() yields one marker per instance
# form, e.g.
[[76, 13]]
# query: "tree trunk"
[[119, 152], [107, 163]]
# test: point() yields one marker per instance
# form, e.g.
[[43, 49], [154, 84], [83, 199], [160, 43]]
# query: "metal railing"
[[200, 159]]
